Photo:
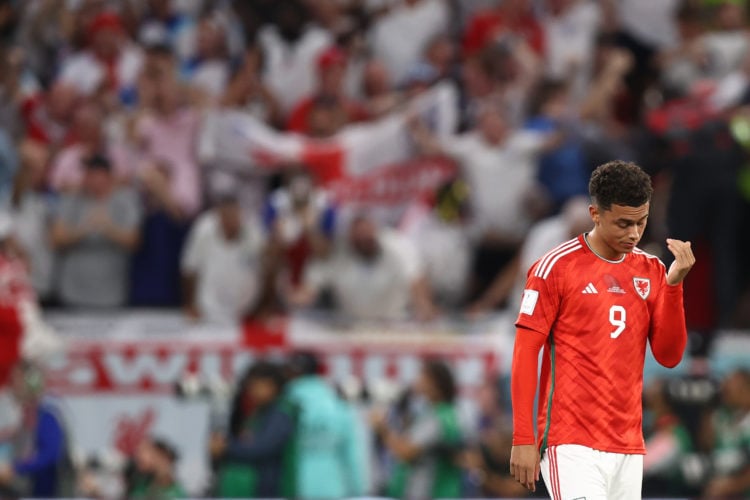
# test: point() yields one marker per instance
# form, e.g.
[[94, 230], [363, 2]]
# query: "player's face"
[[621, 227]]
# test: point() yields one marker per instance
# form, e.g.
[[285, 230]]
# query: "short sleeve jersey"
[[597, 316]]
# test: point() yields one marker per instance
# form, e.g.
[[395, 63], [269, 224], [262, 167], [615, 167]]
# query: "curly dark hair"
[[620, 183]]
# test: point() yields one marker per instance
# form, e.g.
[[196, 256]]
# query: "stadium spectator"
[[487, 461], [440, 53], [563, 171], [165, 135], [139, 471], [400, 37], [208, 69], [509, 19], [328, 444], [438, 229], [88, 139], [570, 28], [222, 263], [41, 456], [162, 482], [168, 180], [162, 21], [95, 232], [331, 65], [668, 443], [252, 457], [500, 166], [377, 93], [373, 274], [427, 452], [681, 66], [301, 221], [291, 46], [110, 63], [247, 92], [47, 115], [731, 431], [32, 208], [727, 45]]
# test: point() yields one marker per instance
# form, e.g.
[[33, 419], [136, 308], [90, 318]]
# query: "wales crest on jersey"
[[642, 287]]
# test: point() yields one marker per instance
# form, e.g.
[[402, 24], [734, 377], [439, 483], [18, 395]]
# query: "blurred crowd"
[[287, 432], [106, 202], [103, 105]]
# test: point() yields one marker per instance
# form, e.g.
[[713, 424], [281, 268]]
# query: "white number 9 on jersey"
[[617, 317]]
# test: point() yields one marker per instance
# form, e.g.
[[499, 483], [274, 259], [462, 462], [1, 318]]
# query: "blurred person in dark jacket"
[[251, 459]]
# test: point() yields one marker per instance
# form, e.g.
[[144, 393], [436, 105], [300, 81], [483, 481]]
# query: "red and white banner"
[[116, 378], [240, 140]]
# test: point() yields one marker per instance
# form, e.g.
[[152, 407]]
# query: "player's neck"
[[600, 247]]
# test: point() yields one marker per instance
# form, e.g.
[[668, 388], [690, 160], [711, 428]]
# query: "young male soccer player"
[[593, 303]]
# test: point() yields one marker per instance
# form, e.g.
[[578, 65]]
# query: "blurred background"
[[270, 248]]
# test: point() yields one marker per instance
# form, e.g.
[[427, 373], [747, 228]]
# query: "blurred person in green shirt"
[[731, 438], [161, 482], [427, 452]]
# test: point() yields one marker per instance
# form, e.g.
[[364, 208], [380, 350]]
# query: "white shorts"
[[573, 472]]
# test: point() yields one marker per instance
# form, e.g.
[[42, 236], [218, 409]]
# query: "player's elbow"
[[670, 357]]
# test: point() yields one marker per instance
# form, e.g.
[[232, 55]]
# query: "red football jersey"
[[597, 315]]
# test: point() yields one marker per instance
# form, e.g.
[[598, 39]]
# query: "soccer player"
[[593, 303]]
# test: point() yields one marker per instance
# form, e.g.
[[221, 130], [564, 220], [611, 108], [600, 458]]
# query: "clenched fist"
[[683, 260]]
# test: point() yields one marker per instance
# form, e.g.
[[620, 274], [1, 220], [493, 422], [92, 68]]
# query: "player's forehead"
[[624, 212]]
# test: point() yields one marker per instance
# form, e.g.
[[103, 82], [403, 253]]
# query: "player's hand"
[[524, 465], [683, 260]]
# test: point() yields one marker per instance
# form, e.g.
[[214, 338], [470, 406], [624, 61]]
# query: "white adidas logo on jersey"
[[590, 288]]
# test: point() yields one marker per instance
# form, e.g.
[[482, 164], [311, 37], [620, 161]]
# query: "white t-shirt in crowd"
[[445, 251], [291, 70], [652, 22], [378, 289], [501, 178], [228, 272], [400, 37], [212, 78], [726, 50], [570, 39], [86, 73]]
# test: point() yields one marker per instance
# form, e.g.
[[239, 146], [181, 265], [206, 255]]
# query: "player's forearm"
[[523, 384], [668, 331]]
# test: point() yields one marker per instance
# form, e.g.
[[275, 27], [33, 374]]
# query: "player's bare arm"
[[524, 465], [683, 261]]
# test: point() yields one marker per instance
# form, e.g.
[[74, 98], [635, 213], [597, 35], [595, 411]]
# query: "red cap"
[[105, 21], [332, 56]]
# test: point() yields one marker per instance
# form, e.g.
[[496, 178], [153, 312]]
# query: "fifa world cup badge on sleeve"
[[642, 287], [528, 304]]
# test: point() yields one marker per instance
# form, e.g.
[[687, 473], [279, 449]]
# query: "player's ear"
[[594, 212]]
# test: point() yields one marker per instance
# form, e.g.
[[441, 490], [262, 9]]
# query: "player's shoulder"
[[556, 258], [646, 259]]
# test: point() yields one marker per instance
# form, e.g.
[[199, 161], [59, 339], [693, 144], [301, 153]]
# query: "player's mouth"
[[629, 246]]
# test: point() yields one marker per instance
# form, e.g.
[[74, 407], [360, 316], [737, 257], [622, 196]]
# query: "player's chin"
[[627, 247]]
